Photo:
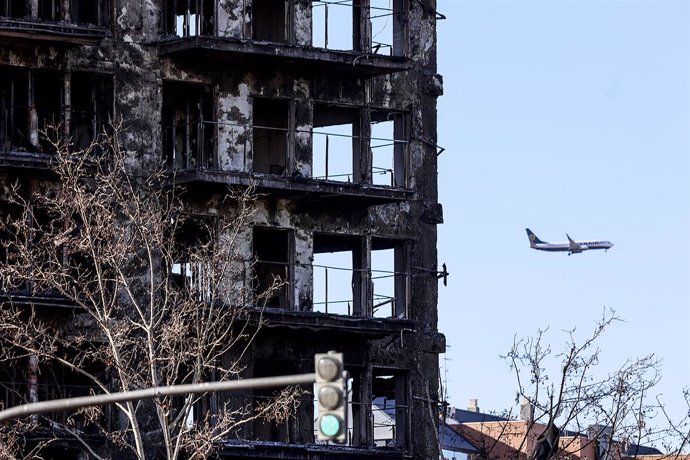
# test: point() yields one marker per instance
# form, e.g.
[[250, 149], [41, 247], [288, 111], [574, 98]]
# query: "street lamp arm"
[[57, 405]]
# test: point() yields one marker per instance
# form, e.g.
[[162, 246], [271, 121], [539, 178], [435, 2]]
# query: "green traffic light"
[[330, 425]]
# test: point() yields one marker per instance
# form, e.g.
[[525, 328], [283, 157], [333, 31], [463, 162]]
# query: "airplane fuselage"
[[583, 246], [571, 246]]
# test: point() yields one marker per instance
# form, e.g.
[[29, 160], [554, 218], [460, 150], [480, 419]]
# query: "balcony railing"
[[18, 139], [382, 418], [191, 145], [333, 290], [195, 18], [329, 31], [52, 31]]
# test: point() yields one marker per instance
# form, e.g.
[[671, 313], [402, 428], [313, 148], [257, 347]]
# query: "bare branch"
[[156, 288]]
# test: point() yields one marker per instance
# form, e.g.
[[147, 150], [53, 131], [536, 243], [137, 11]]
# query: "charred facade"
[[328, 109]]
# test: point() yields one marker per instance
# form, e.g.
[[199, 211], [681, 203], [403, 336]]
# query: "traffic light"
[[331, 397]]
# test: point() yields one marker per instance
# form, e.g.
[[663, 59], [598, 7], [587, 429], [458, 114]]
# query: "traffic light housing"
[[331, 397]]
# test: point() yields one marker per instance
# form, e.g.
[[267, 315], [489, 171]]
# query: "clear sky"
[[564, 116]]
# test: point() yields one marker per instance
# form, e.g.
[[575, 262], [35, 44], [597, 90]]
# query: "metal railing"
[[384, 301], [272, 283], [327, 17], [333, 156], [382, 422], [331, 299], [52, 11], [191, 18], [191, 145], [195, 277], [18, 137]]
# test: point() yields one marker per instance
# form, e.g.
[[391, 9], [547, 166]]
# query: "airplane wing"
[[574, 246]]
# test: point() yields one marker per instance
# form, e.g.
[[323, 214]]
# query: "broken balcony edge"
[[295, 187], [53, 32], [231, 49]]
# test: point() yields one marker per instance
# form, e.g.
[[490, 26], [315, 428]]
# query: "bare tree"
[[613, 412], [154, 292], [675, 437]]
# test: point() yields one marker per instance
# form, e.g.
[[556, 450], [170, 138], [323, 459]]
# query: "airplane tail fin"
[[533, 239]]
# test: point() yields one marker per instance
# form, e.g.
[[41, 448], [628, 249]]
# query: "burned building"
[[327, 109]]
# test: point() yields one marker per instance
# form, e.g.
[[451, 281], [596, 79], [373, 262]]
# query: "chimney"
[[473, 406], [526, 409]]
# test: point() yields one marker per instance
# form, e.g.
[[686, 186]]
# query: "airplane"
[[573, 247]]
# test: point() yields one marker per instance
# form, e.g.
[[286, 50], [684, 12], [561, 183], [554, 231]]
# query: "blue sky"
[[564, 116]]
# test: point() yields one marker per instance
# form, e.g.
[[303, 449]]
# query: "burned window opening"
[[91, 12], [197, 407], [387, 22], [337, 274], [352, 278], [14, 113], [82, 270], [31, 108], [330, 29], [269, 427], [378, 29], [377, 408], [389, 139], [79, 268], [35, 243], [189, 18], [46, 94], [271, 133], [389, 277], [53, 254], [31, 379], [271, 20], [85, 11], [91, 107], [188, 129], [11, 217], [390, 408], [190, 270], [48, 257], [50, 10], [31, 102], [13, 390], [336, 143], [273, 268], [14, 9]]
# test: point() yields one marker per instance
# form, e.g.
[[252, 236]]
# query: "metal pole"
[[325, 26], [326, 302], [156, 392], [326, 156]]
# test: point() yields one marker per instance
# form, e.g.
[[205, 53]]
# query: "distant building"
[[492, 437]]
